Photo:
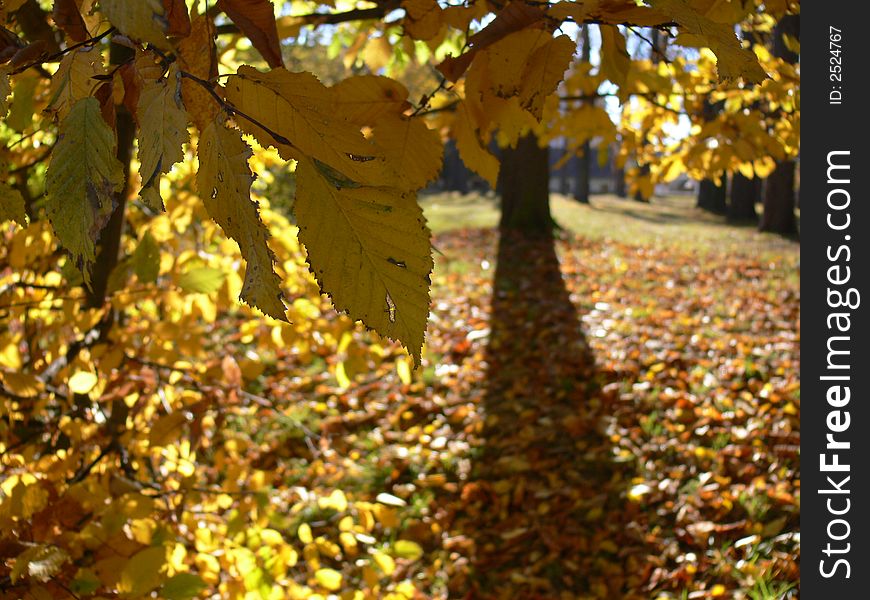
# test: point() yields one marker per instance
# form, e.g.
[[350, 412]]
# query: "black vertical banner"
[[835, 412]]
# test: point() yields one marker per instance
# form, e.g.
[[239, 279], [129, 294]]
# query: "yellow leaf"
[[732, 60], [472, 152], [615, 61], [369, 249], [329, 578], [404, 371], [302, 112], [336, 500], [377, 53], [422, 18], [143, 572], [304, 533], [408, 549], [12, 206], [162, 133], [24, 385], [544, 71], [142, 20], [82, 382], [341, 376], [385, 562], [81, 180], [387, 516], [224, 182], [197, 56], [412, 150], [564, 10], [366, 98], [74, 79]]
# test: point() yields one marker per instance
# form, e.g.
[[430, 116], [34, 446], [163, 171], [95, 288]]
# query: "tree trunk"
[[745, 193], [524, 184], [110, 237], [711, 197], [779, 196], [619, 183], [778, 216], [581, 193]]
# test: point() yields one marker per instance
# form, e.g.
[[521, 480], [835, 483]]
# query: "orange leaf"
[[66, 15], [256, 19], [179, 21]]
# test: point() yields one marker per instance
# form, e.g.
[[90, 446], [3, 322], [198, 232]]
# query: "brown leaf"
[[107, 102], [67, 16], [179, 21], [256, 19]]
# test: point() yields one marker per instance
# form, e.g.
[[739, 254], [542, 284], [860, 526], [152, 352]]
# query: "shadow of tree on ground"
[[544, 481]]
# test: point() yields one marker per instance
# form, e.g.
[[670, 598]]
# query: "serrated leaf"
[[162, 133], [543, 72], [81, 181], [74, 79], [224, 182], [369, 249], [201, 280], [301, 110], [5, 90], [142, 20], [146, 259], [182, 586], [732, 60]]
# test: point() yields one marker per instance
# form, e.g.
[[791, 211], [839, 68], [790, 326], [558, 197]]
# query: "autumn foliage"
[[154, 304]]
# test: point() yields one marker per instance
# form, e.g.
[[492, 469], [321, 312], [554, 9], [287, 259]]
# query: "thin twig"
[[232, 110], [67, 50]]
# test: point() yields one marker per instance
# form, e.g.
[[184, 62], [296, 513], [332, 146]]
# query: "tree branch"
[[317, 19]]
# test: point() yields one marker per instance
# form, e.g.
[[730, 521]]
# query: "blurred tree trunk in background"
[[779, 195], [581, 192], [619, 183], [712, 197], [778, 215], [525, 194], [745, 193]]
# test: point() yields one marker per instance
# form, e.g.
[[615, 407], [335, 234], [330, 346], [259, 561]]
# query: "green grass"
[[672, 220]]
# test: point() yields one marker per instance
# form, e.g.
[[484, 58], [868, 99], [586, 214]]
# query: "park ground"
[[627, 430]]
